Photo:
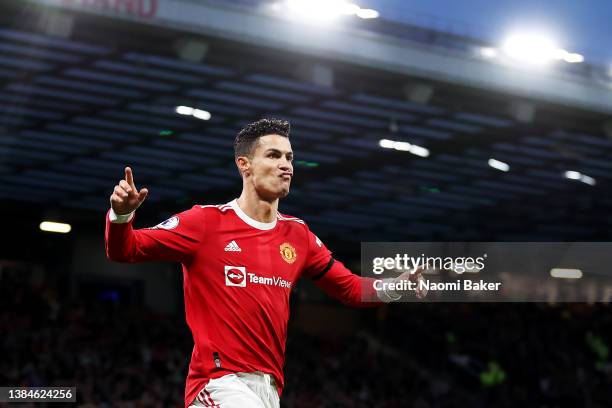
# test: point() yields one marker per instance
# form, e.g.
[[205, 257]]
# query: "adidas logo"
[[232, 247]]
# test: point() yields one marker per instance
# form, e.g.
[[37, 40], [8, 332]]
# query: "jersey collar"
[[253, 223]]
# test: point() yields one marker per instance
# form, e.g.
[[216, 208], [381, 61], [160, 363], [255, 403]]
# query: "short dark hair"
[[246, 139]]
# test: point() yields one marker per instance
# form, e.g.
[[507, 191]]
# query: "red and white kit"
[[238, 274]]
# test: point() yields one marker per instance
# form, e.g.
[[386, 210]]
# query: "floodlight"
[[322, 11], [533, 49], [367, 13], [201, 114], [386, 143], [51, 226], [419, 151], [566, 273], [499, 165], [184, 110]]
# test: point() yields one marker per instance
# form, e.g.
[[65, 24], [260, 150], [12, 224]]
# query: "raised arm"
[[175, 239]]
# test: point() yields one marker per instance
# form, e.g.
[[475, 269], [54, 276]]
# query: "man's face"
[[271, 167]]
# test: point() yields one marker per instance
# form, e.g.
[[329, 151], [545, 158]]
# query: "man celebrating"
[[240, 261]]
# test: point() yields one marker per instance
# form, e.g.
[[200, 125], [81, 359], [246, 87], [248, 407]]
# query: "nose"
[[285, 165]]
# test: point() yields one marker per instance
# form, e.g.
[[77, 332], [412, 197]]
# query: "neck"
[[258, 208]]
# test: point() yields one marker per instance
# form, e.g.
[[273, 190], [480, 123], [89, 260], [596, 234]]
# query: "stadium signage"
[[144, 9]]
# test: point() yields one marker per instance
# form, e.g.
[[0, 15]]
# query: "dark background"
[[77, 108]]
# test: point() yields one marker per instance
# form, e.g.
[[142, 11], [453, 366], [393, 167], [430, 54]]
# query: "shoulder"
[[214, 208], [310, 237], [292, 222], [289, 218], [211, 212]]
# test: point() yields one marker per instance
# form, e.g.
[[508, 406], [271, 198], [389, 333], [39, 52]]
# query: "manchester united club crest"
[[288, 253]]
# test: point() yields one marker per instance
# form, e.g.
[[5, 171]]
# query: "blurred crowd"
[[417, 355], [460, 355]]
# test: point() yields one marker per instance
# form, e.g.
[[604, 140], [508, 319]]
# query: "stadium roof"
[[75, 110]]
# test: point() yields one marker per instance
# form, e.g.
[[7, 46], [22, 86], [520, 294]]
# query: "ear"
[[244, 165]]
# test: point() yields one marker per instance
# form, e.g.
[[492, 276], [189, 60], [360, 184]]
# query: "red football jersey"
[[238, 274]]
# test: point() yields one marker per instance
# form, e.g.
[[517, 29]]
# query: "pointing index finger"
[[129, 177]]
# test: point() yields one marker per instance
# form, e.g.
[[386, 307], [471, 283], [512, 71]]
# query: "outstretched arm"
[[339, 282], [351, 289]]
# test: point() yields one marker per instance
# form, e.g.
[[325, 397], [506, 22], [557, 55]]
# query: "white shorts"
[[240, 390]]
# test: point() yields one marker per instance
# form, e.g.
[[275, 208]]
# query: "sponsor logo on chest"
[[238, 276], [235, 276]]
